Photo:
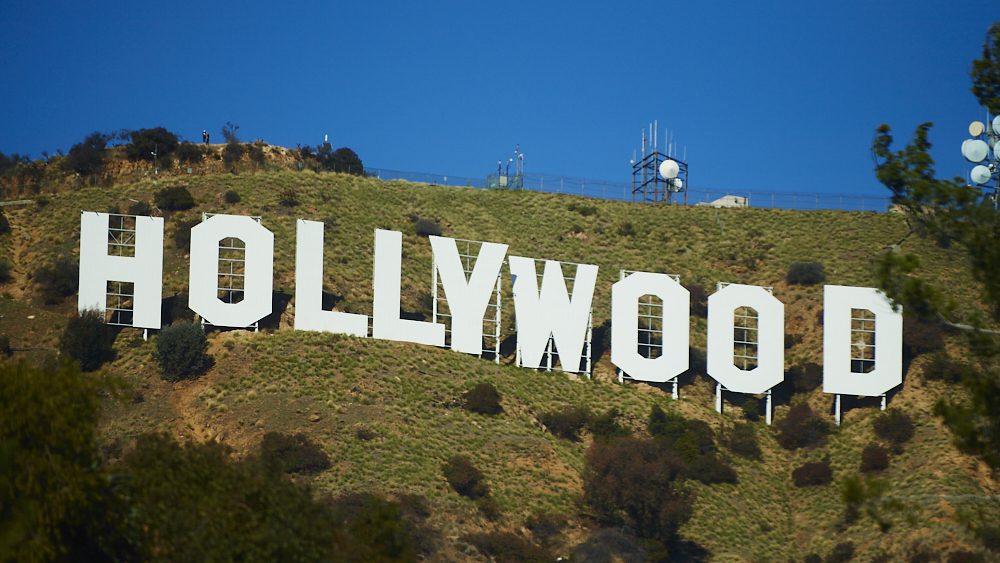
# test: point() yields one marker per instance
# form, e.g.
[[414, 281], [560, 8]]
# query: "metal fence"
[[622, 191]]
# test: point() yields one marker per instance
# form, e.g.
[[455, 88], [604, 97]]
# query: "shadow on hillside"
[[279, 302]]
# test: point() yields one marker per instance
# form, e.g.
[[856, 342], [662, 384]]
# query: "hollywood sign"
[[549, 317]]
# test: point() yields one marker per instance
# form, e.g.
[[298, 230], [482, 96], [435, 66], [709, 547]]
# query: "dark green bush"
[[463, 476], [182, 234], [812, 474], [139, 208], [232, 153], [751, 408], [190, 153], [894, 426], [627, 229], [175, 198], [841, 553], [181, 349], [4, 224], [805, 273], [5, 270], [483, 398], [87, 157], [144, 142], [231, 196], [289, 197], [874, 458], [806, 377], [426, 227], [293, 453], [88, 340], [5, 348], [800, 428], [566, 422], [741, 439], [635, 482], [942, 367], [693, 442], [342, 160], [506, 547], [606, 425], [585, 210], [58, 280]]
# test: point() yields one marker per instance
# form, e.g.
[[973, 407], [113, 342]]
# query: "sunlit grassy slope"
[[331, 386]]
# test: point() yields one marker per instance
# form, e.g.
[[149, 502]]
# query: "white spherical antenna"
[[669, 169], [976, 128], [975, 150], [980, 174], [996, 150], [678, 183], [996, 124]]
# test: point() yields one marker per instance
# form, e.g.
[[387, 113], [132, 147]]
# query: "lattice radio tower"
[[658, 177]]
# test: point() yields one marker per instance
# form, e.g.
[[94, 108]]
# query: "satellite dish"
[[678, 183], [976, 128], [669, 169], [980, 174], [996, 150], [996, 124], [975, 150]]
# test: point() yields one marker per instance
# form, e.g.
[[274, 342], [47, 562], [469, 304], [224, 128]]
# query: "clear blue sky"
[[764, 95]]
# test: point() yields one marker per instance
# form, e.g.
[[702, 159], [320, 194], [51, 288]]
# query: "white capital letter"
[[144, 271], [467, 300], [309, 313], [769, 338], [838, 301], [551, 312], [625, 295], [385, 308], [204, 274]]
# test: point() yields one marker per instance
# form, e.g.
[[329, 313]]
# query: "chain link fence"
[[602, 189]]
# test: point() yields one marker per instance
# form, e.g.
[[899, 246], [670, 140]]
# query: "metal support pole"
[[836, 409], [548, 354], [496, 330], [145, 334], [676, 392], [883, 401], [768, 411], [718, 398]]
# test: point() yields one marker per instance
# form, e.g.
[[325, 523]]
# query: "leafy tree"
[[986, 72], [87, 157], [56, 502], [181, 349], [951, 214], [88, 340], [174, 198], [342, 160], [800, 428], [229, 132], [144, 142]]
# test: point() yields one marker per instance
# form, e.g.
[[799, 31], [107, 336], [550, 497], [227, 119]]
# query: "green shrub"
[[231, 196], [463, 476], [87, 157], [841, 553], [58, 280], [693, 442], [627, 229], [635, 482], [342, 160], [88, 340], [812, 474], [805, 273], [874, 458], [4, 224], [942, 367], [566, 422], [256, 154], [294, 454], [585, 210], [606, 425], [190, 153], [232, 153], [144, 142], [483, 398], [426, 227], [741, 439], [174, 198], [5, 270], [289, 197], [894, 426], [5, 348], [800, 428], [181, 349], [507, 547], [806, 377], [139, 208], [182, 234]]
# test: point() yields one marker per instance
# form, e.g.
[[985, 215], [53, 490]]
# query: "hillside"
[[409, 396]]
